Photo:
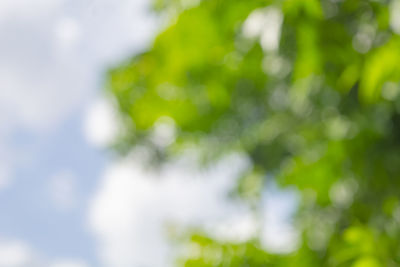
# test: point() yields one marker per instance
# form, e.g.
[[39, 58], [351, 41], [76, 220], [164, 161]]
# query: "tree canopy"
[[308, 89]]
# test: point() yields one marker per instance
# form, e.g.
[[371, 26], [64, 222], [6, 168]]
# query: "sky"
[[65, 200]]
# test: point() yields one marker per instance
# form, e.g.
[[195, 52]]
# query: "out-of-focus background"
[[54, 126], [199, 133], [65, 200]]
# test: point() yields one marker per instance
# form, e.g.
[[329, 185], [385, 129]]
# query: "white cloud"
[[279, 235], [67, 32], [239, 228], [101, 123], [133, 205], [26, 9], [15, 254], [130, 209], [39, 85], [53, 53]]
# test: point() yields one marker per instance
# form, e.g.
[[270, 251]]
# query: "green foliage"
[[208, 252], [320, 112]]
